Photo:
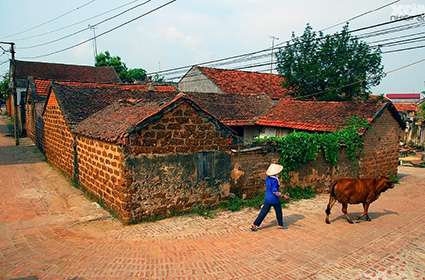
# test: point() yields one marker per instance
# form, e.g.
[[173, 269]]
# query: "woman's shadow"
[[287, 221]]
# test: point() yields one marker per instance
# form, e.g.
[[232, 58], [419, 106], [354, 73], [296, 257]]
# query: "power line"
[[85, 29], [405, 49], [399, 37], [51, 20], [103, 33], [269, 49], [361, 15], [76, 23]]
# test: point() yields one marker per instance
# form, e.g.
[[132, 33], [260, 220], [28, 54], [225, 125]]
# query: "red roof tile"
[[403, 96], [41, 87], [318, 115], [406, 107], [244, 82], [65, 72], [127, 87]]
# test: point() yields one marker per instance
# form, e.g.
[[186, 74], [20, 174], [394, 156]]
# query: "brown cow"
[[355, 191]]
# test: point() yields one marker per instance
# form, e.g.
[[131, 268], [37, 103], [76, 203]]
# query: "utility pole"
[[93, 27], [274, 38], [14, 95]]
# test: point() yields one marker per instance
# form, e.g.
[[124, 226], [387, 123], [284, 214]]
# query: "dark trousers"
[[265, 210]]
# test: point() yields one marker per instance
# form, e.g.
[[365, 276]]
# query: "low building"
[[52, 71], [405, 97], [223, 81], [154, 155], [414, 133]]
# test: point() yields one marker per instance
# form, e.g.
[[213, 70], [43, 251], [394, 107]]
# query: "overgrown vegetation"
[[330, 67], [126, 74], [299, 148]]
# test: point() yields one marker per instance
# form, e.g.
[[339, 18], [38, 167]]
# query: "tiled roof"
[[41, 87], [113, 123], [128, 87], [321, 116], [235, 109], [403, 96], [406, 107], [65, 72], [247, 83], [78, 101]]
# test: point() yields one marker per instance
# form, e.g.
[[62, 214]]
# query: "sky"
[[193, 31]]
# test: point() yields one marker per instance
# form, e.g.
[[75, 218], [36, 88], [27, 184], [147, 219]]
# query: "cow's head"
[[384, 184]]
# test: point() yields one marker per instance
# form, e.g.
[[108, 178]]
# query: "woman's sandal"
[[254, 228]]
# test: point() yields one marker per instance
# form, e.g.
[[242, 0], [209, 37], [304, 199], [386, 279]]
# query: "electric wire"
[[76, 23], [49, 21], [103, 33], [84, 29]]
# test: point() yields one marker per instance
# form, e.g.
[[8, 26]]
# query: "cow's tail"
[[332, 191]]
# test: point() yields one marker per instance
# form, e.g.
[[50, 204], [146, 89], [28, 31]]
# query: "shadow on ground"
[[20, 155], [372, 215], [289, 220]]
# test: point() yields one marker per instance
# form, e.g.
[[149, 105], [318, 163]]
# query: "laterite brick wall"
[[182, 130], [379, 158], [29, 122], [101, 172], [58, 140], [382, 147]]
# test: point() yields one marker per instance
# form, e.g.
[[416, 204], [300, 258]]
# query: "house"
[[405, 97], [414, 133], [223, 81], [379, 157], [141, 151], [69, 103], [154, 155], [52, 71]]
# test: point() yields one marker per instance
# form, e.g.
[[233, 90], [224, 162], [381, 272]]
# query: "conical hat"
[[274, 169]]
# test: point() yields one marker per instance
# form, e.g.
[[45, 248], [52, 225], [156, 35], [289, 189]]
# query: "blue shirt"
[[272, 186]]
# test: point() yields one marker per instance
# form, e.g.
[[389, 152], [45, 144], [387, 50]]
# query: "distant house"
[[414, 134], [52, 71], [223, 81], [405, 97]]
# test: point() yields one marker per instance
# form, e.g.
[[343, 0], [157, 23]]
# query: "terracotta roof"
[[65, 72], [113, 123], [235, 109], [247, 83], [78, 101], [129, 87], [406, 107], [41, 87], [321, 116], [403, 96]]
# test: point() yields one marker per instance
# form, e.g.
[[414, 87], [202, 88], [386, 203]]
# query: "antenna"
[[93, 27]]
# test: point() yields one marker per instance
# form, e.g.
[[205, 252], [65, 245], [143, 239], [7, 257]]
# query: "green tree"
[[329, 67], [126, 75], [4, 87]]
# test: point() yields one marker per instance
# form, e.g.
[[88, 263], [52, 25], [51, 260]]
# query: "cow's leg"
[[365, 212], [344, 210], [331, 203]]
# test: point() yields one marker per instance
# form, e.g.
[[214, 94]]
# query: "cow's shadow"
[[288, 220], [372, 215]]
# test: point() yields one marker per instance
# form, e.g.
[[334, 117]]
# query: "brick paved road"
[[48, 230]]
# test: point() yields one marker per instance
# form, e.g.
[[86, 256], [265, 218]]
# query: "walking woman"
[[271, 198]]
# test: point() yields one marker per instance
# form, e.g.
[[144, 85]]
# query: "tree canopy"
[[126, 75], [329, 67], [4, 87]]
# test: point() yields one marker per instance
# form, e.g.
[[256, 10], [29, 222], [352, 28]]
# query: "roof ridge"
[[238, 70]]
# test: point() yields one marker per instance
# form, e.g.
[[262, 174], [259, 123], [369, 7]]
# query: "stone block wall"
[[382, 147], [379, 158], [101, 172], [29, 122], [58, 140], [182, 130], [164, 184]]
